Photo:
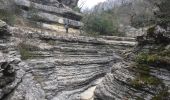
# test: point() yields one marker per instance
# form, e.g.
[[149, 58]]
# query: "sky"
[[89, 3]]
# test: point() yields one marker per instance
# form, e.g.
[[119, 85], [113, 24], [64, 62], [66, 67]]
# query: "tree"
[[101, 24], [163, 15]]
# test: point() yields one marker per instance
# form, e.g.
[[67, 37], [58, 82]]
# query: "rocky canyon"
[[40, 62]]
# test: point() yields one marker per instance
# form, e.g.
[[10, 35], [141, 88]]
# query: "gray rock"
[[69, 67], [2, 23], [46, 12], [63, 67], [53, 18], [4, 30], [28, 89], [167, 47], [60, 9]]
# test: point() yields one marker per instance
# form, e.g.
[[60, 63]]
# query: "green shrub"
[[141, 58], [7, 16], [143, 77], [51, 42], [142, 20], [144, 58], [139, 98], [152, 58], [25, 54], [77, 9], [100, 24], [165, 53], [162, 95], [143, 68], [25, 51], [145, 80], [163, 15]]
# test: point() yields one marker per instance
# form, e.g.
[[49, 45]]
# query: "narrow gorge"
[[44, 63], [57, 67]]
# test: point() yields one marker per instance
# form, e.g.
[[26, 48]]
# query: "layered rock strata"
[[45, 11], [46, 66], [148, 75]]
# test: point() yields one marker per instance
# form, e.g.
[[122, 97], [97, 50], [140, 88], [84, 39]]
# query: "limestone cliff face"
[[146, 77], [37, 65], [45, 65], [70, 3], [45, 11]]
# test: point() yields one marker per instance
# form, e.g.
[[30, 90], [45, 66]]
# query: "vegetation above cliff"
[[106, 18]]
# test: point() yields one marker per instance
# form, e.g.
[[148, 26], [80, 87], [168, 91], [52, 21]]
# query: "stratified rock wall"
[[70, 3], [45, 11], [47, 66]]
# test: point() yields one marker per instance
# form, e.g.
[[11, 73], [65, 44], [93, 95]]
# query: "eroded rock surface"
[[44, 11], [50, 66], [147, 77], [46, 66]]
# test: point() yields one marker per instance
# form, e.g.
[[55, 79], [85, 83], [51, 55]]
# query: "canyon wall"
[[50, 66], [45, 11]]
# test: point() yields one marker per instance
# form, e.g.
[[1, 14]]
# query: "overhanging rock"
[[48, 13]]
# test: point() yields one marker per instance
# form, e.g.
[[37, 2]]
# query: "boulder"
[[3, 29]]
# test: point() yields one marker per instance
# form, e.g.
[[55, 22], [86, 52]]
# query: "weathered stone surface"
[[53, 18], [2, 24], [44, 11], [131, 31], [62, 67], [46, 8], [69, 67], [118, 84], [4, 31], [155, 35], [70, 3]]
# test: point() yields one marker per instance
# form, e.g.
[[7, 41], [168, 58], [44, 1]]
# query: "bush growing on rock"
[[51, 42], [7, 16], [147, 58], [25, 51], [143, 78], [145, 81], [162, 95]]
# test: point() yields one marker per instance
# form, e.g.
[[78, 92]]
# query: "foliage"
[[7, 16], [159, 60], [143, 77], [142, 21], [25, 51], [51, 42], [163, 15], [162, 95], [136, 13], [145, 80], [141, 14], [77, 9], [165, 53], [101, 24], [147, 58], [138, 98], [142, 68]]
